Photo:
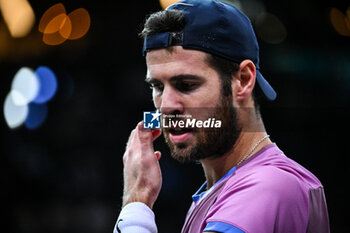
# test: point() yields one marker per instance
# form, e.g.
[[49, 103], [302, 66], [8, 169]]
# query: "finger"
[[133, 134], [158, 154], [156, 133], [145, 135], [144, 139], [131, 138], [140, 126]]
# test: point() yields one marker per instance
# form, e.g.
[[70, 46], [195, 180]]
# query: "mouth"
[[180, 135]]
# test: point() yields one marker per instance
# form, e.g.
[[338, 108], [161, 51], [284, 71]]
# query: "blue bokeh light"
[[36, 116], [48, 84]]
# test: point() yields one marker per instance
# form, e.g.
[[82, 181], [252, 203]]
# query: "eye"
[[157, 87], [186, 86]]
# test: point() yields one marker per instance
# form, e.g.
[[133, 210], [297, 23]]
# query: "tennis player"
[[203, 54]]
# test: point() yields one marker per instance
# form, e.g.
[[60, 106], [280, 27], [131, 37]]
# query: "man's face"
[[183, 83]]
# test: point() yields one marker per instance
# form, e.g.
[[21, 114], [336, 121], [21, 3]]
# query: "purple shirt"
[[266, 193]]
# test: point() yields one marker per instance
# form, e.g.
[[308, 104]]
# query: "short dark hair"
[[174, 21], [163, 21]]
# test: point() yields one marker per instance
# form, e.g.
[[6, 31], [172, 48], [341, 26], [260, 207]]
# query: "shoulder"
[[264, 188], [267, 179], [274, 172], [261, 199]]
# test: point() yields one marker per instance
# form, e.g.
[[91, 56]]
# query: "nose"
[[171, 101]]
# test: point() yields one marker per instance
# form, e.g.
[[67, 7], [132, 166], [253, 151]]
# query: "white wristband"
[[136, 217]]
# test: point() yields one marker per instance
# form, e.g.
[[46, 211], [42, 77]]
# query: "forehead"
[[174, 53], [175, 61]]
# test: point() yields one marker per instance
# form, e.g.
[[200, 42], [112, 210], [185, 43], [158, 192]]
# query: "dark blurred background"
[[66, 175]]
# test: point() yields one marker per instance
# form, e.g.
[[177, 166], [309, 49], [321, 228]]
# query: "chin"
[[182, 152]]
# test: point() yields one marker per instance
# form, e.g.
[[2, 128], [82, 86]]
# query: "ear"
[[245, 80]]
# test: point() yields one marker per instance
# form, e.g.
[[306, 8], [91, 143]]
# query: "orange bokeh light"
[[165, 3], [55, 24], [81, 23], [340, 22], [18, 15], [66, 28], [57, 30], [53, 39], [58, 27], [50, 14]]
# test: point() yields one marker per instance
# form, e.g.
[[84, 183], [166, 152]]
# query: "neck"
[[216, 168]]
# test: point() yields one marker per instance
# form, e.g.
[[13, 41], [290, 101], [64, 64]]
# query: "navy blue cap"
[[214, 27]]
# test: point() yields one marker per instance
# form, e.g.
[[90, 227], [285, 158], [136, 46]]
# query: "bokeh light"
[[81, 21], [36, 116], [48, 84], [26, 101], [66, 28], [57, 26], [253, 8], [25, 86], [236, 3], [52, 32], [15, 115], [18, 15], [340, 22], [49, 14], [53, 38], [270, 29], [165, 3]]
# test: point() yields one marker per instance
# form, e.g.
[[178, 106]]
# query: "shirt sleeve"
[[267, 200], [221, 227]]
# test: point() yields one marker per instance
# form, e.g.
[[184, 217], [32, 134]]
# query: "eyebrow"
[[151, 80]]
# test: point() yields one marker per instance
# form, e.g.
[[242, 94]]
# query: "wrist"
[[136, 217], [127, 199]]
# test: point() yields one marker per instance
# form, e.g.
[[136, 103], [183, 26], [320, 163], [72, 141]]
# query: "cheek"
[[206, 101], [156, 100]]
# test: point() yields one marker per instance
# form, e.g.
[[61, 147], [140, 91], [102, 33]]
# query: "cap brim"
[[266, 88]]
